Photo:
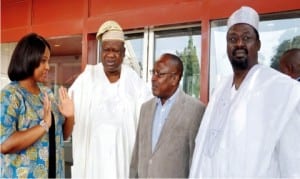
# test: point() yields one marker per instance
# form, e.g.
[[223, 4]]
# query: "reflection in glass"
[[185, 43], [134, 51]]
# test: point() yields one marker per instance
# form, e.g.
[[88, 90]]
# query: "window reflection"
[[134, 51], [278, 32], [184, 42]]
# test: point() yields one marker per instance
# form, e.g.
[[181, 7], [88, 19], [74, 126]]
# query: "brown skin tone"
[[283, 67], [290, 63], [166, 85], [113, 52], [242, 47], [20, 140], [66, 107]]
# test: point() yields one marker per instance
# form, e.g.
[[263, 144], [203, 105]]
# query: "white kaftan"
[[252, 133], [106, 117]]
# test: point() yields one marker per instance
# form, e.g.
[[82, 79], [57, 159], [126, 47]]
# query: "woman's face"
[[40, 74]]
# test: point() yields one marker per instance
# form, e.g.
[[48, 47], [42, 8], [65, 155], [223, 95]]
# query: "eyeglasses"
[[160, 74]]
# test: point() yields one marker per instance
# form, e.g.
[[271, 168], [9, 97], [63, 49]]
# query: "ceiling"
[[66, 46]]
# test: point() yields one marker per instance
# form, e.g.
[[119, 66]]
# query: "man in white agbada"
[[251, 127], [107, 99]]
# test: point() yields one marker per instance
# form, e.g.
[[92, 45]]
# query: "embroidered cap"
[[110, 30], [245, 15]]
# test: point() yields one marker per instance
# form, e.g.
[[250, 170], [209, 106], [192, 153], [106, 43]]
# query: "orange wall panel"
[[161, 13], [98, 8], [13, 35], [59, 28], [56, 11], [15, 14]]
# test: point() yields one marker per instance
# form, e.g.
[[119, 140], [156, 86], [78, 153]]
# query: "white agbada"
[[106, 117], [253, 132]]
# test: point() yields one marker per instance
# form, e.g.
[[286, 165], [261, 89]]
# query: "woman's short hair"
[[27, 56]]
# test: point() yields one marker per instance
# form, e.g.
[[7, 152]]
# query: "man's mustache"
[[236, 49]]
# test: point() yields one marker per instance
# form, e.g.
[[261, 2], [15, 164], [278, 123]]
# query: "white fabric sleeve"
[[289, 147]]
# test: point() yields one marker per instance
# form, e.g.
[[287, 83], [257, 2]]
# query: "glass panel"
[[134, 51], [6, 52], [278, 32], [65, 61], [186, 43], [219, 64]]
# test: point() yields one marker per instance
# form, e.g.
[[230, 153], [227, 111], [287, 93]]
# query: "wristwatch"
[[44, 125]]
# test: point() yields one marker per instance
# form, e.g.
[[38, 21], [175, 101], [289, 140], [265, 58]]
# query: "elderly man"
[[107, 99], [251, 127], [290, 63], [168, 125]]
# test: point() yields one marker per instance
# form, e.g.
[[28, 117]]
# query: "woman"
[[33, 124]]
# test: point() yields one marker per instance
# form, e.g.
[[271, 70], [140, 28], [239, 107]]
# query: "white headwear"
[[245, 15], [110, 30]]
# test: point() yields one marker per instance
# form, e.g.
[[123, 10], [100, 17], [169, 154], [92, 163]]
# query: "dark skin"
[[242, 49], [290, 63], [113, 52], [165, 86]]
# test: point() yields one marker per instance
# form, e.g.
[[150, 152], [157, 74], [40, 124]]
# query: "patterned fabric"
[[110, 26], [21, 110]]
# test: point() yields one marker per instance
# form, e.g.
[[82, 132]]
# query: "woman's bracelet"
[[44, 125]]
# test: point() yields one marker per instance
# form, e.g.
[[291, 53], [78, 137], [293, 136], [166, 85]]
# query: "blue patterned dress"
[[21, 110]]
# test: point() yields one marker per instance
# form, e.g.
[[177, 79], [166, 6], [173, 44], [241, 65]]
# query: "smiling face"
[[112, 55], [40, 73], [242, 46]]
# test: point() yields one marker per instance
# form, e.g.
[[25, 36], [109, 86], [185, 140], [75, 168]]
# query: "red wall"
[[65, 17]]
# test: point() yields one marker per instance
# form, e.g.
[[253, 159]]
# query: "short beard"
[[239, 64]]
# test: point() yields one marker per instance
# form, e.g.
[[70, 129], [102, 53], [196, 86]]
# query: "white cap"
[[110, 30], [245, 15]]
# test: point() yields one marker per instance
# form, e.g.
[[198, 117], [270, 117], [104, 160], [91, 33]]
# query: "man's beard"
[[239, 63]]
